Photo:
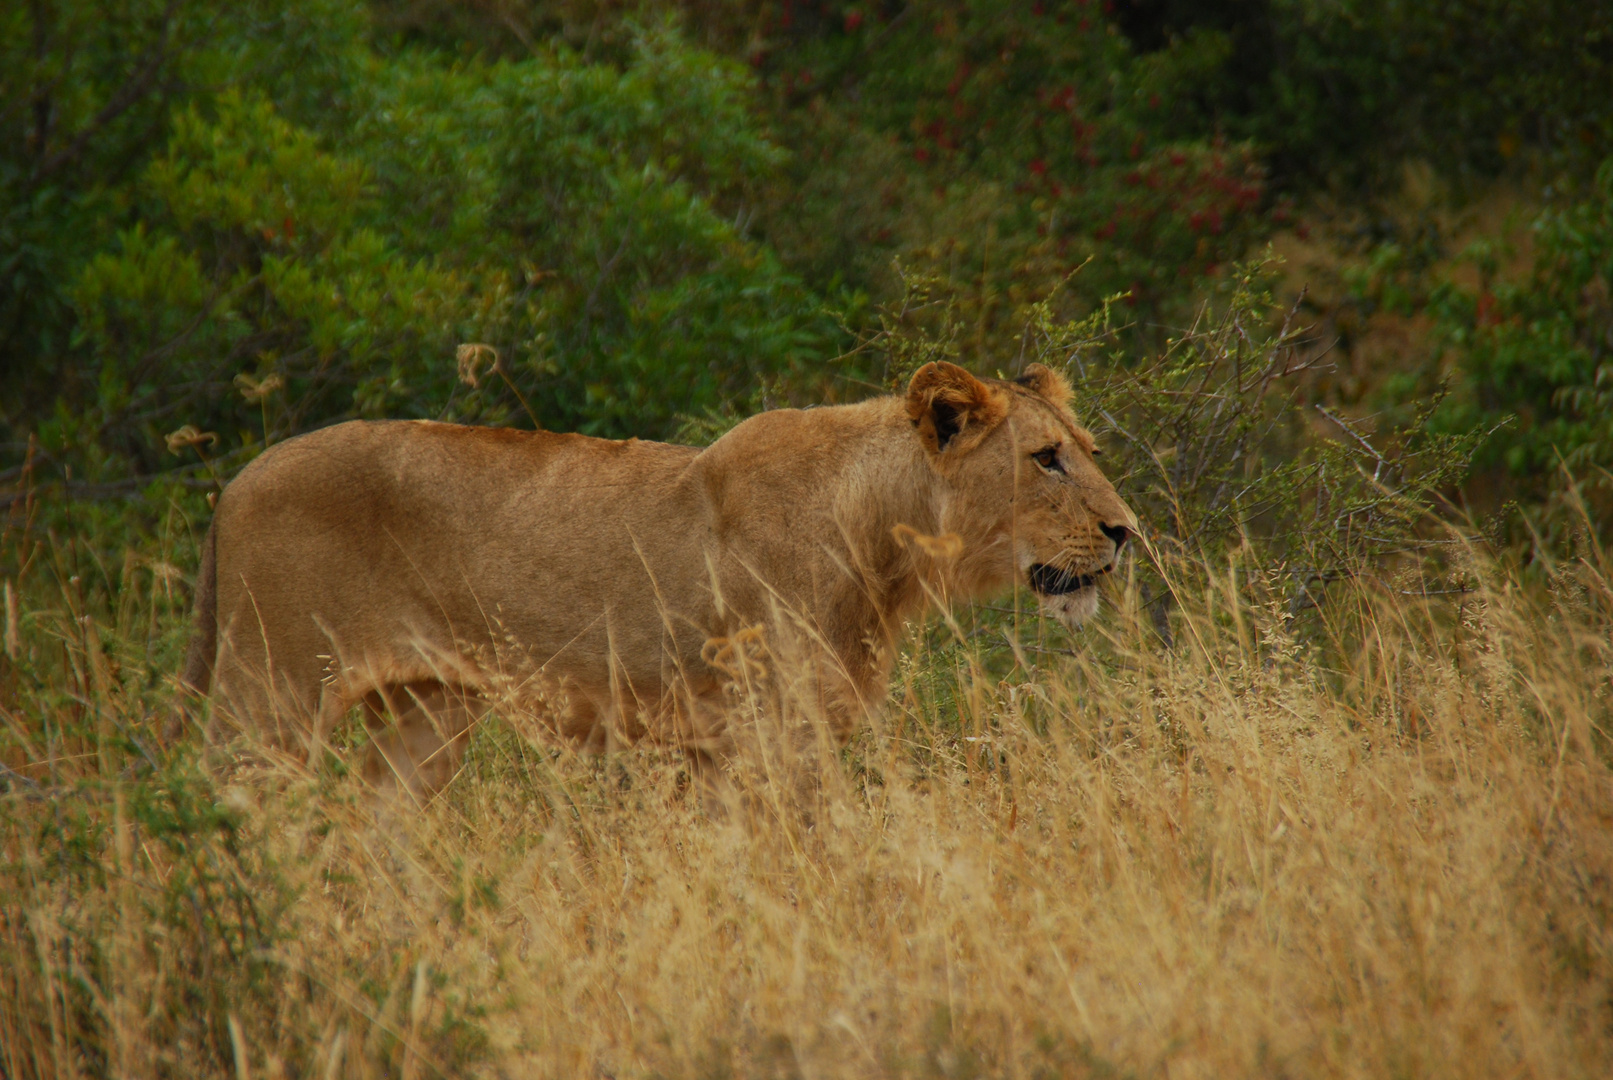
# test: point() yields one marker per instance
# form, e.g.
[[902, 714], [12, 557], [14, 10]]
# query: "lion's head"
[[1022, 488]]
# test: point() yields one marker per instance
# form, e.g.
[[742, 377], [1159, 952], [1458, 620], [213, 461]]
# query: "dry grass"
[[1238, 857]]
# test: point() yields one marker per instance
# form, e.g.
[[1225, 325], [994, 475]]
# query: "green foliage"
[[1539, 350], [1002, 148], [251, 257], [261, 218], [998, 146], [581, 204], [1210, 436], [277, 264], [640, 300], [1346, 89], [1211, 444], [89, 88], [1001, 145]]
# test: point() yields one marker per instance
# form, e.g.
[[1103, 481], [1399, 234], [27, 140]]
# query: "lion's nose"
[[1118, 533]]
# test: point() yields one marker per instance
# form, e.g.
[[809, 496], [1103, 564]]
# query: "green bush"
[[1002, 148], [1534, 357], [252, 256], [1213, 443], [91, 87], [999, 146], [1345, 89], [274, 264], [262, 218]]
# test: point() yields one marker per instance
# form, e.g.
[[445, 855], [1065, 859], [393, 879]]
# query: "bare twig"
[[1359, 438], [137, 86]]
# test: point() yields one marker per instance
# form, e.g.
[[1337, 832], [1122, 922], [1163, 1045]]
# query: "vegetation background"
[[1327, 792]]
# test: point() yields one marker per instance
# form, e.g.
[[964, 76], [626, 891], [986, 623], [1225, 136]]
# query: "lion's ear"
[[1046, 382], [952, 409]]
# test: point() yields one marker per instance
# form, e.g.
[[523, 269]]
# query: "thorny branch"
[[1358, 437]]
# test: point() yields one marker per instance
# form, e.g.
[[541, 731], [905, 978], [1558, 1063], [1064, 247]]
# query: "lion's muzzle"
[[1054, 581]]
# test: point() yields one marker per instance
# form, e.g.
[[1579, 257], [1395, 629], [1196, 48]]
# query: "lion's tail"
[[198, 676]]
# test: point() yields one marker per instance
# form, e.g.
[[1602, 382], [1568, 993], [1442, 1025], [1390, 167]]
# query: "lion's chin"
[[1071, 608]]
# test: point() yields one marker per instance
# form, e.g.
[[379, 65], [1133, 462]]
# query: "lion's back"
[[377, 532]]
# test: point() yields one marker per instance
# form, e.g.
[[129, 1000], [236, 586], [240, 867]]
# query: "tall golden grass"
[[1382, 848]]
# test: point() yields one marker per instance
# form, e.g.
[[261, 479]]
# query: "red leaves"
[[959, 77], [287, 230]]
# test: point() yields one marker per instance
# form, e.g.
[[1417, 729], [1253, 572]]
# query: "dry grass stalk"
[[1389, 854]]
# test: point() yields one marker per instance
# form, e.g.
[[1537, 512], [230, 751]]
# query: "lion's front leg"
[[418, 735], [764, 736]]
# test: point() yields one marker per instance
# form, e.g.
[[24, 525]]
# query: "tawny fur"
[[424, 568]]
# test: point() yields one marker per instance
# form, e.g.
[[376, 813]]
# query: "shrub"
[[1213, 443], [1532, 355], [1345, 90], [263, 274]]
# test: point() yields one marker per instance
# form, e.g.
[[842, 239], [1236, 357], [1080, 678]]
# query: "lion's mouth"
[[1052, 581]]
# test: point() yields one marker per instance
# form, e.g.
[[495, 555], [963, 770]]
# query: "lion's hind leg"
[[418, 735]]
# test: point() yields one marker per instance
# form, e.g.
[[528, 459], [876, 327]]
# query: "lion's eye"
[[1048, 458]]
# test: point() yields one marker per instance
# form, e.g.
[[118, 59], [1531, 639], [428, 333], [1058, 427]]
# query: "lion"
[[424, 570]]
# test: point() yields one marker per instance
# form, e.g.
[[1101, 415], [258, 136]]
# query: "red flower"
[[854, 19]]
